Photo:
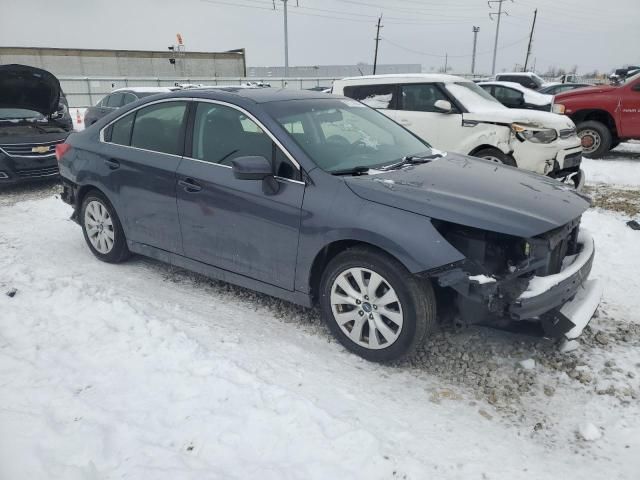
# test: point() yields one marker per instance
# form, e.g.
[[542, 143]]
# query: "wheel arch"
[[597, 115], [330, 251]]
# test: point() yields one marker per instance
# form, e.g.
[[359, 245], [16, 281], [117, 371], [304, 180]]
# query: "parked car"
[[318, 199], [119, 98], [526, 79], [456, 115], [604, 115], [514, 95], [34, 118], [562, 87]]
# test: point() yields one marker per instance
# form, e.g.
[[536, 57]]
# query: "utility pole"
[[533, 25], [375, 56], [446, 62], [473, 56], [286, 41], [495, 43]]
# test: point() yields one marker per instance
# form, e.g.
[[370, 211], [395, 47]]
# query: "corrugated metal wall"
[[127, 63]]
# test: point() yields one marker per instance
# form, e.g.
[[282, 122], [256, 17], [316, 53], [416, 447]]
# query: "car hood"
[[477, 193], [29, 88], [518, 115]]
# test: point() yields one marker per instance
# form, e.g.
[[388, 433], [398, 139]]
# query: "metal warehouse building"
[[87, 75], [65, 62]]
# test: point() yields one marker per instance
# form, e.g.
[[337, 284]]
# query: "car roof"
[[518, 74], [255, 95], [514, 85], [406, 77], [145, 89]]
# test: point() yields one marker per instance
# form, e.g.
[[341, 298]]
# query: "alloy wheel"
[[366, 308], [99, 227]]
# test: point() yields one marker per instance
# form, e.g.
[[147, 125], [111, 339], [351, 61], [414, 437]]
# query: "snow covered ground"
[[144, 371]]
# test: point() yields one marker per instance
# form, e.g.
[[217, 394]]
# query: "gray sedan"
[[321, 200]]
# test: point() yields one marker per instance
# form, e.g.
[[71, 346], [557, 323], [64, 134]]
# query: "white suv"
[[454, 114]]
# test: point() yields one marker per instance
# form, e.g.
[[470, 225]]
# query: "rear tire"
[[374, 306], [497, 156], [102, 229], [596, 138]]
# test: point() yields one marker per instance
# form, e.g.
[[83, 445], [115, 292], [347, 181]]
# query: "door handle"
[[112, 164], [190, 185]]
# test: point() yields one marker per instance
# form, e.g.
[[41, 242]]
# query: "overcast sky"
[[593, 34]]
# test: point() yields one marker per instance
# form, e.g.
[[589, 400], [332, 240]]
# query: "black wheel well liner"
[[330, 251], [597, 115]]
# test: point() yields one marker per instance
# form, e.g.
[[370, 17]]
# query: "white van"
[[456, 115]]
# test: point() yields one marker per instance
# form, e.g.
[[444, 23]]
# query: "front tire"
[[102, 229], [374, 306], [596, 138], [495, 155]]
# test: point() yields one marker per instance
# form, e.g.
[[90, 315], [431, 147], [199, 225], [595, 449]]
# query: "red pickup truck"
[[604, 115]]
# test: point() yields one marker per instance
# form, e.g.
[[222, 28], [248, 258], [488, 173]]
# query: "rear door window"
[[376, 96], [509, 96], [160, 128], [128, 98], [114, 100]]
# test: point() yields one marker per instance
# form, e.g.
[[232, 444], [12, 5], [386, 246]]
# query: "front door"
[[418, 114], [229, 223], [141, 157], [630, 110]]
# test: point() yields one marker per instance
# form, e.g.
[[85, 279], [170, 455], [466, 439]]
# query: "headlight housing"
[[558, 108], [533, 134]]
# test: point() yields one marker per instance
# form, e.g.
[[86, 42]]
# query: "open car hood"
[[29, 88], [476, 193]]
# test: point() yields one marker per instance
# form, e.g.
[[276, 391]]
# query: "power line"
[[435, 55]]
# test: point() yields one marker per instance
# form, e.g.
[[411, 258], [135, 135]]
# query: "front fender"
[[409, 237]]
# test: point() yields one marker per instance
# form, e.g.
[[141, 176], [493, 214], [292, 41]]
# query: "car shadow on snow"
[[12, 194]]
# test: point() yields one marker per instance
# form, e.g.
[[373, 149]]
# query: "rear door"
[[141, 158], [229, 223], [416, 102]]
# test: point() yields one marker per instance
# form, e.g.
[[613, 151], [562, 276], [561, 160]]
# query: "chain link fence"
[[84, 92]]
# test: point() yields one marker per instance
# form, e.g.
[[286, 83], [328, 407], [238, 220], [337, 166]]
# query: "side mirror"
[[251, 168], [256, 168], [442, 106]]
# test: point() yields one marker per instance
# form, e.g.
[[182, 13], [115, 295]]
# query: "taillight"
[[61, 149]]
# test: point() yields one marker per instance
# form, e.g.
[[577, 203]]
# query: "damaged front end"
[[505, 278]]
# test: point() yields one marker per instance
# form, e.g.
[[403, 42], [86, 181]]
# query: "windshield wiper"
[[412, 160], [352, 171]]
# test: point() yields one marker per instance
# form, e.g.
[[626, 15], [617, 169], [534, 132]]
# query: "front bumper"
[[15, 170], [563, 302], [547, 159]]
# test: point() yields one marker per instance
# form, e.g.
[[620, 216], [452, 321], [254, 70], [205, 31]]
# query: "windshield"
[[474, 98], [343, 134], [19, 114]]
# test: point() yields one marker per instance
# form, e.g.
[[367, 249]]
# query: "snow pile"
[[589, 432]]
